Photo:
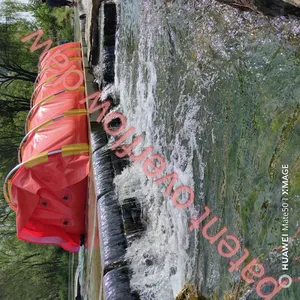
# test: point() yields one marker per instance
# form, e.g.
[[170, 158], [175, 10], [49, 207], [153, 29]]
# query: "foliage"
[[54, 21], [27, 271], [24, 265]]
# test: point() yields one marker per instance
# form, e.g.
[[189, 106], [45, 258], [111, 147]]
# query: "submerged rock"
[[267, 7]]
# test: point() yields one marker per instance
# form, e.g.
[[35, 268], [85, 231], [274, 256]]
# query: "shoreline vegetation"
[[27, 271]]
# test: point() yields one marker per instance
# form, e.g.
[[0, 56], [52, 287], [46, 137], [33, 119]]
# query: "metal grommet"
[[66, 195]]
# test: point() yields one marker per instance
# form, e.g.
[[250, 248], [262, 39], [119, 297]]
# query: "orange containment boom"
[[48, 189]]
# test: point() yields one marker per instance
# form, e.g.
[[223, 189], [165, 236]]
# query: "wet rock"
[[267, 7]]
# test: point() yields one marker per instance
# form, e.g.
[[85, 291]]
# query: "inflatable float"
[[48, 188]]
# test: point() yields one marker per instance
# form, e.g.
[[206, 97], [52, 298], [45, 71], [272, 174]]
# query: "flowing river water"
[[216, 92]]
